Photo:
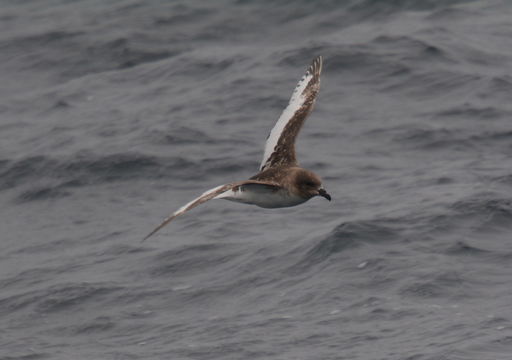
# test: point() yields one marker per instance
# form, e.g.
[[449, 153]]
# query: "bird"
[[280, 182]]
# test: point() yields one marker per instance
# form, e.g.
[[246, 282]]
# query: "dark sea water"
[[115, 113]]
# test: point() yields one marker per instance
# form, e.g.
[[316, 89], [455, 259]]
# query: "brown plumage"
[[280, 182], [284, 152]]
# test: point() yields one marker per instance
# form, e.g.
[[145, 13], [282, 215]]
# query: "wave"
[[437, 139], [465, 249], [481, 213], [393, 6], [485, 211], [57, 298], [411, 49], [443, 285], [84, 55], [424, 137], [44, 177], [80, 168], [49, 177], [345, 237], [376, 8], [191, 258], [469, 111]]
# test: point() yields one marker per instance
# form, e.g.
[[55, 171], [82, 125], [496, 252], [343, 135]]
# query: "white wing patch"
[[296, 102], [186, 207], [207, 195]]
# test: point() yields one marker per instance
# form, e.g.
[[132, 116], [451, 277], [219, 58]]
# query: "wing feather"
[[280, 145], [255, 186], [217, 193], [207, 195]]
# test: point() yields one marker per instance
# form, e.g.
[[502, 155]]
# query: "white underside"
[[264, 199]]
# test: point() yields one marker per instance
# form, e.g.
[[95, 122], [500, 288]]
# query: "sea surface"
[[113, 114]]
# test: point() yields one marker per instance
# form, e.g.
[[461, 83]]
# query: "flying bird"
[[281, 182]]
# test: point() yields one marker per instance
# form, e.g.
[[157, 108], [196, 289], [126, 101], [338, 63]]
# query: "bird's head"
[[308, 185]]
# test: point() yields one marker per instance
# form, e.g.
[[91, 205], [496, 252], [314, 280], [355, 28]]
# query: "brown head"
[[307, 184]]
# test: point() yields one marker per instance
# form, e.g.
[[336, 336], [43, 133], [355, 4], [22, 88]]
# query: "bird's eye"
[[310, 184]]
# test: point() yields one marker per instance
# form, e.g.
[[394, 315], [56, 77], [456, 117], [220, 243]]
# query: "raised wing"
[[280, 145], [208, 195]]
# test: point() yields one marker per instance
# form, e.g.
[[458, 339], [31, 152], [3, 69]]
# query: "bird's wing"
[[216, 192], [259, 187], [280, 145], [207, 195]]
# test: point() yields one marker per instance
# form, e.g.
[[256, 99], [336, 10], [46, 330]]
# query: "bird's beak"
[[323, 193]]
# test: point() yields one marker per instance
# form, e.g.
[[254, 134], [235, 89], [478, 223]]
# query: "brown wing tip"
[[165, 222], [316, 66], [150, 234]]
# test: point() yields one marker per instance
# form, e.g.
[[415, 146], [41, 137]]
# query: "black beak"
[[323, 193]]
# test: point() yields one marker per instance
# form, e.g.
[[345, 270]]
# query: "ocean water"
[[115, 113]]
